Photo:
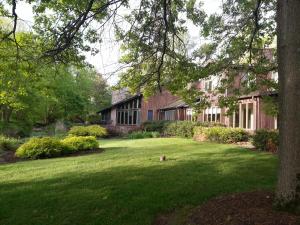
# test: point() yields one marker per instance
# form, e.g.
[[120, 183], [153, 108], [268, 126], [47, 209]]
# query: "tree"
[[44, 91], [288, 190]]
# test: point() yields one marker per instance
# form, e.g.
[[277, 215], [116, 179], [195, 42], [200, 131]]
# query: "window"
[[189, 114], [150, 115], [129, 113], [274, 76], [170, 115], [208, 85], [212, 83], [212, 114]]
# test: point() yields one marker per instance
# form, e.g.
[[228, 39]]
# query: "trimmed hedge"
[[176, 128], [143, 134], [49, 147], [81, 143], [93, 130], [9, 144], [220, 134], [46, 147], [266, 140]]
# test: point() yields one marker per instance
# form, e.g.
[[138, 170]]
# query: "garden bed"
[[250, 208]]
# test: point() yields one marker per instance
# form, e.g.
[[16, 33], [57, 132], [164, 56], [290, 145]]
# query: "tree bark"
[[288, 188]]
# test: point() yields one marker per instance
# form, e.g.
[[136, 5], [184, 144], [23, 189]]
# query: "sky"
[[106, 62]]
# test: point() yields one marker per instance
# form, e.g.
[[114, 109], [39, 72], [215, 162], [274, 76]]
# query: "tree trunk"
[[288, 188]]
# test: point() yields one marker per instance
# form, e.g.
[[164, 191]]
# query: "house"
[[250, 114], [128, 112]]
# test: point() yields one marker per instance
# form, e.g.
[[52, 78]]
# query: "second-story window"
[[212, 83], [274, 76], [208, 85]]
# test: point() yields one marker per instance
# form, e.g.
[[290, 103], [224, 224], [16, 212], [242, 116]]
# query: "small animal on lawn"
[[162, 158]]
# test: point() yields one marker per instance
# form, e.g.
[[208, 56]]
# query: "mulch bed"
[[251, 208], [9, 156]]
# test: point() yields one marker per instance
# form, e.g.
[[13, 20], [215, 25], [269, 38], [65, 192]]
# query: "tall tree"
[[288, 190]]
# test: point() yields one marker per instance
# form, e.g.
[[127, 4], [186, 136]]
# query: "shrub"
[[93, 119], [9, 144], [220, 134], [210, 124], [158, 126], [93, 130], [176, 128], [266, 140], [180, 129], [81, 143], [45, 147], [143, 134], [16, 128]]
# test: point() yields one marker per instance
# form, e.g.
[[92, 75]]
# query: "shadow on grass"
[[129, 195]]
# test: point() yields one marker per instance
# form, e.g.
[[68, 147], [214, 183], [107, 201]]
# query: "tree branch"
[[256, 27]]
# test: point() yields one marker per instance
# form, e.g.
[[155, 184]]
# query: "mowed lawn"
[[127, 184]]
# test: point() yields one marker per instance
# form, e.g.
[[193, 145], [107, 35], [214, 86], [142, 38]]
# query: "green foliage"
[[143, 134], [176, 128], [266, 140], [16, 128], [46, 147], [92, 130], [9, 144], [44, 91], [158, 125], [234, 48], [81, 143], [180, 129], [93, 119], [220, 134]]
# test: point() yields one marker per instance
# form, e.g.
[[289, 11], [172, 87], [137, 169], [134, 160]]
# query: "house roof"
[[261, 94], [120, 102], [175, 105]]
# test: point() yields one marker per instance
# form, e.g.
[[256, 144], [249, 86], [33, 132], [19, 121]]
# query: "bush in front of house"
[[80, 143], [46, 147], [143, 134], [9, 144], [158, 125], [92, 130], [266, 140], [220, 134], [183, 129]]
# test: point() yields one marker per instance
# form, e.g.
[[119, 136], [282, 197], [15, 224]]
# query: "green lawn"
[[126, 184]]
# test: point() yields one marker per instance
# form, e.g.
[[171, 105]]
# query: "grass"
[[126, 184]]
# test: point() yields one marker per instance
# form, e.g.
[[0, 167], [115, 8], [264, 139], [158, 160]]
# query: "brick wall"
[[156, 102]]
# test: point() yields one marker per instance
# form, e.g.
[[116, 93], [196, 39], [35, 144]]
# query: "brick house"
[[128, 112]]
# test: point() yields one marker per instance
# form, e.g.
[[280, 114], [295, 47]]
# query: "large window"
[[129, 113], [170, 115]]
